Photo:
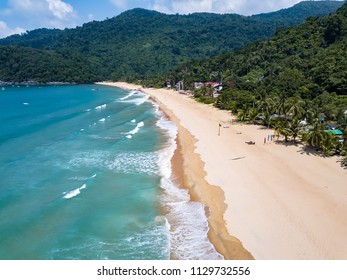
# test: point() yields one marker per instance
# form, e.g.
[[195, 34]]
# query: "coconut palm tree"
[[241, 115], [295, 108], [329, 144], [266, 107], [293, 128], [281, 105], [252, 115], [281, 128], [315, 137]]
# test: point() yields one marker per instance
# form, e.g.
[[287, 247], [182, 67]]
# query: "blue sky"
[[17, 16]]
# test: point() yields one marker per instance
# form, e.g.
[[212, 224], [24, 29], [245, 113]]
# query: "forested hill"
[[307, 60], [139, 43], [294, 83]]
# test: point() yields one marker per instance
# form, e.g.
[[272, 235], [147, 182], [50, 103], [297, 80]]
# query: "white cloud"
[[250, 7], [42, 13], [7, 31], [186, 7], [244, 7], [60, 9], [26, 5], [121, 4]]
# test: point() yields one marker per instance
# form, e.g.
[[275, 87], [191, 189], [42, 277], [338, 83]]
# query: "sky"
[[19, 16]]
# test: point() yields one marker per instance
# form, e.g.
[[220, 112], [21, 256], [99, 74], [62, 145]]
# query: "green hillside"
[[312, 55], [139, 43], [295, 83]]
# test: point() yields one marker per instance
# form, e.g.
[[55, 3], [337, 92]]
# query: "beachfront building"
[[198, 85], [216, 87]]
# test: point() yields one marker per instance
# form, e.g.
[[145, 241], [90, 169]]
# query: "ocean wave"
[[100, 107], [129, 95], [149, 242], [140, 99], [189, 229], [135, 163], [127, 162], [188, 224], [136, 129], [75, 192]]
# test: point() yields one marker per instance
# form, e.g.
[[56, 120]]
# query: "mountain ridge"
[[137, 44]]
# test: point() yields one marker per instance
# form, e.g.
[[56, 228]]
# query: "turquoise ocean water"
[[85, 174]]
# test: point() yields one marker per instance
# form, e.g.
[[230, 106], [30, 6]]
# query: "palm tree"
[[266, 107], [241, 115], [310, 111], [281, 104], [329, 144], [294, 128], [295, 108], [252, 115], [281, 127], [315, 137]]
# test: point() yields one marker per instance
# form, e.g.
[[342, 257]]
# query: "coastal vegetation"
[[295, 82], [139, 44]]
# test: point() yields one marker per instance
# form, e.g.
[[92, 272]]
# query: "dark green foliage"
[[142, 44], [298, 61], [296, 82], [27, 64]]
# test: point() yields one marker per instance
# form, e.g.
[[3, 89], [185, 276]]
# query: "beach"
[[272, 200]]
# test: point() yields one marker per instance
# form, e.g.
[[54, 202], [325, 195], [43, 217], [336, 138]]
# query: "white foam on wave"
[[75, 192], [129, 95], [136, 129], [126, 162], [134, 163], [100, 107], [140, 99], [102, 120], [188, 224]]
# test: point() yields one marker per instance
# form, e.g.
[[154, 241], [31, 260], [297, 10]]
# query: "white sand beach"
[[267, 201]]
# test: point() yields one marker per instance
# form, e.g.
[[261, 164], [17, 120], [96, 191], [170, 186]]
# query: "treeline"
[[296, 82], [140, 44]]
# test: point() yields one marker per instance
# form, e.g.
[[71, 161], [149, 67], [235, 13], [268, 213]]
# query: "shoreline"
[[188, 173], [280, 200], [189, 168], [192, 177]]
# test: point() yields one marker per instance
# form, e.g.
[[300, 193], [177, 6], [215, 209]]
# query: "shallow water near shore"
[[85, 174]]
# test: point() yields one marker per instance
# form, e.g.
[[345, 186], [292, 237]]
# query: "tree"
[[293, 128], [315, 137], [329, 144], [295, 108]]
